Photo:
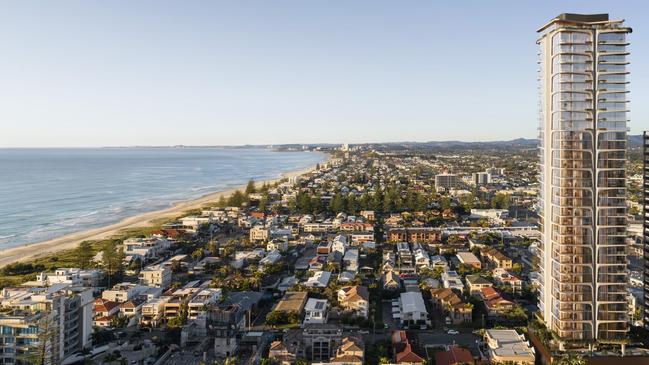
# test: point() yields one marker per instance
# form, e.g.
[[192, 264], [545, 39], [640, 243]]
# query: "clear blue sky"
[[115, 73]]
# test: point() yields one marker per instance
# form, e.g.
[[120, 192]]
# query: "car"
[[364, 332], [453, 332]]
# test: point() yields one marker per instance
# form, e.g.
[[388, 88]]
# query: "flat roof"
[[510, 343], [292, 301], [573, 18]]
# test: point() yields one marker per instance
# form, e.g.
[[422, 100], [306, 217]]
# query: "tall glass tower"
[[583, 86]]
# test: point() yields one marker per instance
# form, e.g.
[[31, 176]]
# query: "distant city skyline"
[[86, 74]]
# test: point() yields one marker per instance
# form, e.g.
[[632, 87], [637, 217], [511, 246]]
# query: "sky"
[[124, 73]]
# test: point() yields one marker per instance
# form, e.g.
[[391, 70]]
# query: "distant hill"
[[634, 141]]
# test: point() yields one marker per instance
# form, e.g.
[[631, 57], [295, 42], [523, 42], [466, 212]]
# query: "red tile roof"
[[455, 355]]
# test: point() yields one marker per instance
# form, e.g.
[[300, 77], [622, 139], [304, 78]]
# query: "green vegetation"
[[280, 318]]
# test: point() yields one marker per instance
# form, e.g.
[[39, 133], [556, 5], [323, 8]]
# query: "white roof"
[[316, 304], [412, 302], [319, 279]]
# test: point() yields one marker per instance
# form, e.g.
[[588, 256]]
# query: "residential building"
[[278, 351], [508, 346], [469, 259], [158, 276], [497, 258], [504, 277], [316, 311], [414, 235], [350, 352], [355, 299], [475, 284], [153, 311], [496, 305], [405, 350], [481, 178], [202, 300], [451, 280], [447, 301], [123, 292], [645, 225], [320, 341], [582, 140], [278, 244], [454, 355], [67, 309], [391, 281], [320, 279], [259, 233], [446, 181], [413, 309]]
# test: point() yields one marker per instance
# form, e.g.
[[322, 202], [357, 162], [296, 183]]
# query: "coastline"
[[69, 241]]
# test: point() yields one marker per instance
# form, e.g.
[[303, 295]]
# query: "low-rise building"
[[405, 349], [320, 279], [355, 299], [316, 311], [497, 258], [259, 233], [451, 280], [447, 301], [496, 305], [413, 309], [454, 355], [158, 276], [504, 277], [508, 346], [475, 284], [202, 300], [469, 259]]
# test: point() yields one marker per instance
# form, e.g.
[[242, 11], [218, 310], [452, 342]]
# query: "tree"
[[84, 254], [250, 188], [263, 203], [337, 204], [45, 349], [571, 358], [236, 199], [113, 259], [267, 361], [500, 201], [222, 202]]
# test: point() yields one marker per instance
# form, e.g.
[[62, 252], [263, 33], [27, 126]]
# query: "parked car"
[[453, 332]]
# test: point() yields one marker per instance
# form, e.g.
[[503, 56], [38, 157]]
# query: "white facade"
[[316, 311], [583, 135]]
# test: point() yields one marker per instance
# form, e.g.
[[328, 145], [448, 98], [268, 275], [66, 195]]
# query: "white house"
[[157, 275], [451, 280], [413, 309], [316, 311], [320, 279], [350, 260]]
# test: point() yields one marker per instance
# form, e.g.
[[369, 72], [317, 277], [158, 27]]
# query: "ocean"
[[47, 193]]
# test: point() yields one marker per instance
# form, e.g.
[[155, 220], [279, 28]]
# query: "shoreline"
[[69, 241]]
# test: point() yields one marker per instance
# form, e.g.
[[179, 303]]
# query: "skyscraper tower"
[[645, 223], [583, 90]]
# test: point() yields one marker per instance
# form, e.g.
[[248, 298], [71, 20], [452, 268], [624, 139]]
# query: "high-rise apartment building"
[[583, 84], [446, 181], [645, 223], [49, 323]]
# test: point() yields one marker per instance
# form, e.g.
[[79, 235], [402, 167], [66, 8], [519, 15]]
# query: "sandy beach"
[[70, 241]]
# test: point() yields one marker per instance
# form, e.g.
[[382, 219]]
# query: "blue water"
[[47, 193]]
